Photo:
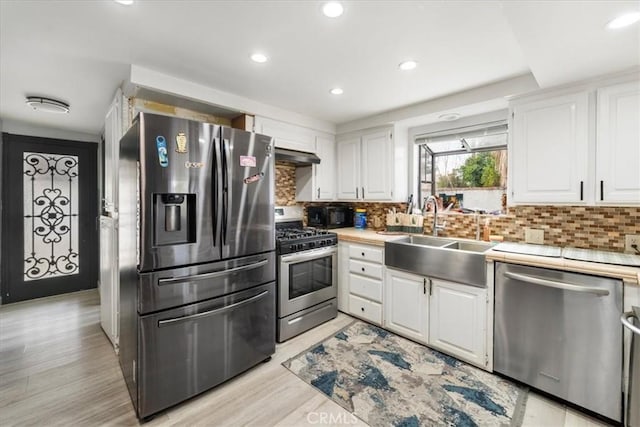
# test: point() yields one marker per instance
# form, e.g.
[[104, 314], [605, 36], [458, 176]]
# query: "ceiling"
[[81, 51]]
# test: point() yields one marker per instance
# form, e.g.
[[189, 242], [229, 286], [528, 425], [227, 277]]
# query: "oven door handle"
[[213, 274], [557, 285], [307, 255], [166, 322]]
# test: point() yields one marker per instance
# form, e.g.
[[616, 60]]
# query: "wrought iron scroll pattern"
[[50, 215]]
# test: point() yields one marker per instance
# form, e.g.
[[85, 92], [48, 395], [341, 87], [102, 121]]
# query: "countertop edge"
[[368, 237], [629, 275]]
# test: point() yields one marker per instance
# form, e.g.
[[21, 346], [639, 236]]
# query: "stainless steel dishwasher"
[[560, 332], [631, 321]]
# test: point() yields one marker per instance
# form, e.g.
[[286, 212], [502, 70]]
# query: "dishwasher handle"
[[558, 285], [626, 322]]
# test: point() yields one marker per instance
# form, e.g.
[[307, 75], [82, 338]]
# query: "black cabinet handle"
[[362, 253], [424, 286], [318, 192], [601, 190], [356, 192], [362, 268], [362, 308], [581, 190]]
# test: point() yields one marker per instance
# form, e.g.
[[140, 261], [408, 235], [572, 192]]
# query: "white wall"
[[30, 129]]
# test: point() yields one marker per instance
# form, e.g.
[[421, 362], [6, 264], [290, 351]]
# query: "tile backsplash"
[[588, 227]]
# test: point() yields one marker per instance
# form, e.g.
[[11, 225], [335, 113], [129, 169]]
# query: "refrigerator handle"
[[225, 184], [217, 179]]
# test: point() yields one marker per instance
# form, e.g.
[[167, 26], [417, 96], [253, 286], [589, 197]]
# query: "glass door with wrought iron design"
[[50, 207]]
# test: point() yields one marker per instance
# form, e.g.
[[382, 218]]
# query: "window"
[[466, 168]]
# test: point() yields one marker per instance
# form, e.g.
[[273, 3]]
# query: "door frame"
[[90, 181]]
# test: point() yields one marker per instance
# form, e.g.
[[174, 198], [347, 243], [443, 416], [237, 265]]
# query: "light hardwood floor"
[[58, 368]]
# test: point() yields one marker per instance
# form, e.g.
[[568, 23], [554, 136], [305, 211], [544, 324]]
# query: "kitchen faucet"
[[436, 226]]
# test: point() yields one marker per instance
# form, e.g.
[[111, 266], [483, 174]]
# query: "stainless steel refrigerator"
[[196, 257]]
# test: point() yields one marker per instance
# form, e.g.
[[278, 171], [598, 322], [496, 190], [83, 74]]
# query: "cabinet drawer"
[[365, 268], [365, 309], [366, 253], [366, 287]]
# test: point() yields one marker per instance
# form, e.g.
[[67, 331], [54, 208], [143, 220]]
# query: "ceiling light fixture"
[[47, 105], [408, 65], [125, 2], [332, 9], [259, 58], [336, 91], [624, 20], [449, 117]]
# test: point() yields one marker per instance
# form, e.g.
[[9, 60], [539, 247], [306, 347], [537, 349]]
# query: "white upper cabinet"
[[317, 182], [365, 166], [348, 161], [286, 135], [549, 150], [618, 144], [112, 134], [376, 162]]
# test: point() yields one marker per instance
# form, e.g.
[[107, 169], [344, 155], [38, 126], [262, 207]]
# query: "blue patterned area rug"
[[387, 380]]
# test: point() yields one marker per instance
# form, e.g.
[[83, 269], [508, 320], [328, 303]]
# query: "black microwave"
[[329, 216]]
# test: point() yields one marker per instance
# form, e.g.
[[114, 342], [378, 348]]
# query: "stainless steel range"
[[307, 274]]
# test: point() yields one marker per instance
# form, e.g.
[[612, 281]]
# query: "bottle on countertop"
[[486, 231]]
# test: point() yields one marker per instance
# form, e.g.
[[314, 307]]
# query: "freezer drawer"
[[180, 286], [560, 332], [185, 351]]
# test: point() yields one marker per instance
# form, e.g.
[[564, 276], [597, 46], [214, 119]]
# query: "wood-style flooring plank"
[[57, 368]]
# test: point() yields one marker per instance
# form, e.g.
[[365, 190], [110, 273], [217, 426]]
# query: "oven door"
[[307, 278]]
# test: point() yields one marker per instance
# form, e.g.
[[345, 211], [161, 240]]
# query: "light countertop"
[[366, 236], [630, 275]]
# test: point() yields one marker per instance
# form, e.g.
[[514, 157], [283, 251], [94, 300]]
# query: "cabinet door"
[[286, 135], [549, 144], [406, 305], [326, 170], [348, 161], [457, 320], [109, 292], [112, 134], [618, 144], [377, 166]]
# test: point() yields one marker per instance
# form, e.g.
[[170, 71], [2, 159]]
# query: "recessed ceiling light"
[[408, 65], [125, 2], [47, 105], [337, 91], [449, 117], [624, 20], [258, 57], [332, 9]]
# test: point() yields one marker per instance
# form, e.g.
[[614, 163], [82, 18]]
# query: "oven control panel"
[[299, 245]]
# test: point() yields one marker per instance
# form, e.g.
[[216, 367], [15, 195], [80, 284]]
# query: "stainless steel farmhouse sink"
[[456, 260]]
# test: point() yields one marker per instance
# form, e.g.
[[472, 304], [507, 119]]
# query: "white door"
[[109, 292], [548, 146], [326, 170], [348, 161], [457, 320], [406, 304], [618, 144], [376, 166]]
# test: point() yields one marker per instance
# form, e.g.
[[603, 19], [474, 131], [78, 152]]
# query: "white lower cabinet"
[[447, 316], [457, 320], [406, 305], [361, 269]]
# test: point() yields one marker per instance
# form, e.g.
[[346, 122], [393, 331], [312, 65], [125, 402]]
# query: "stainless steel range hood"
[[298, 158]]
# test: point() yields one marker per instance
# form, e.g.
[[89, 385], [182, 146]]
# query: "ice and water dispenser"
[[174, 219]]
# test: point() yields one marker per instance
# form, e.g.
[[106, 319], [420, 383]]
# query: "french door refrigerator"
[[196, 257]]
